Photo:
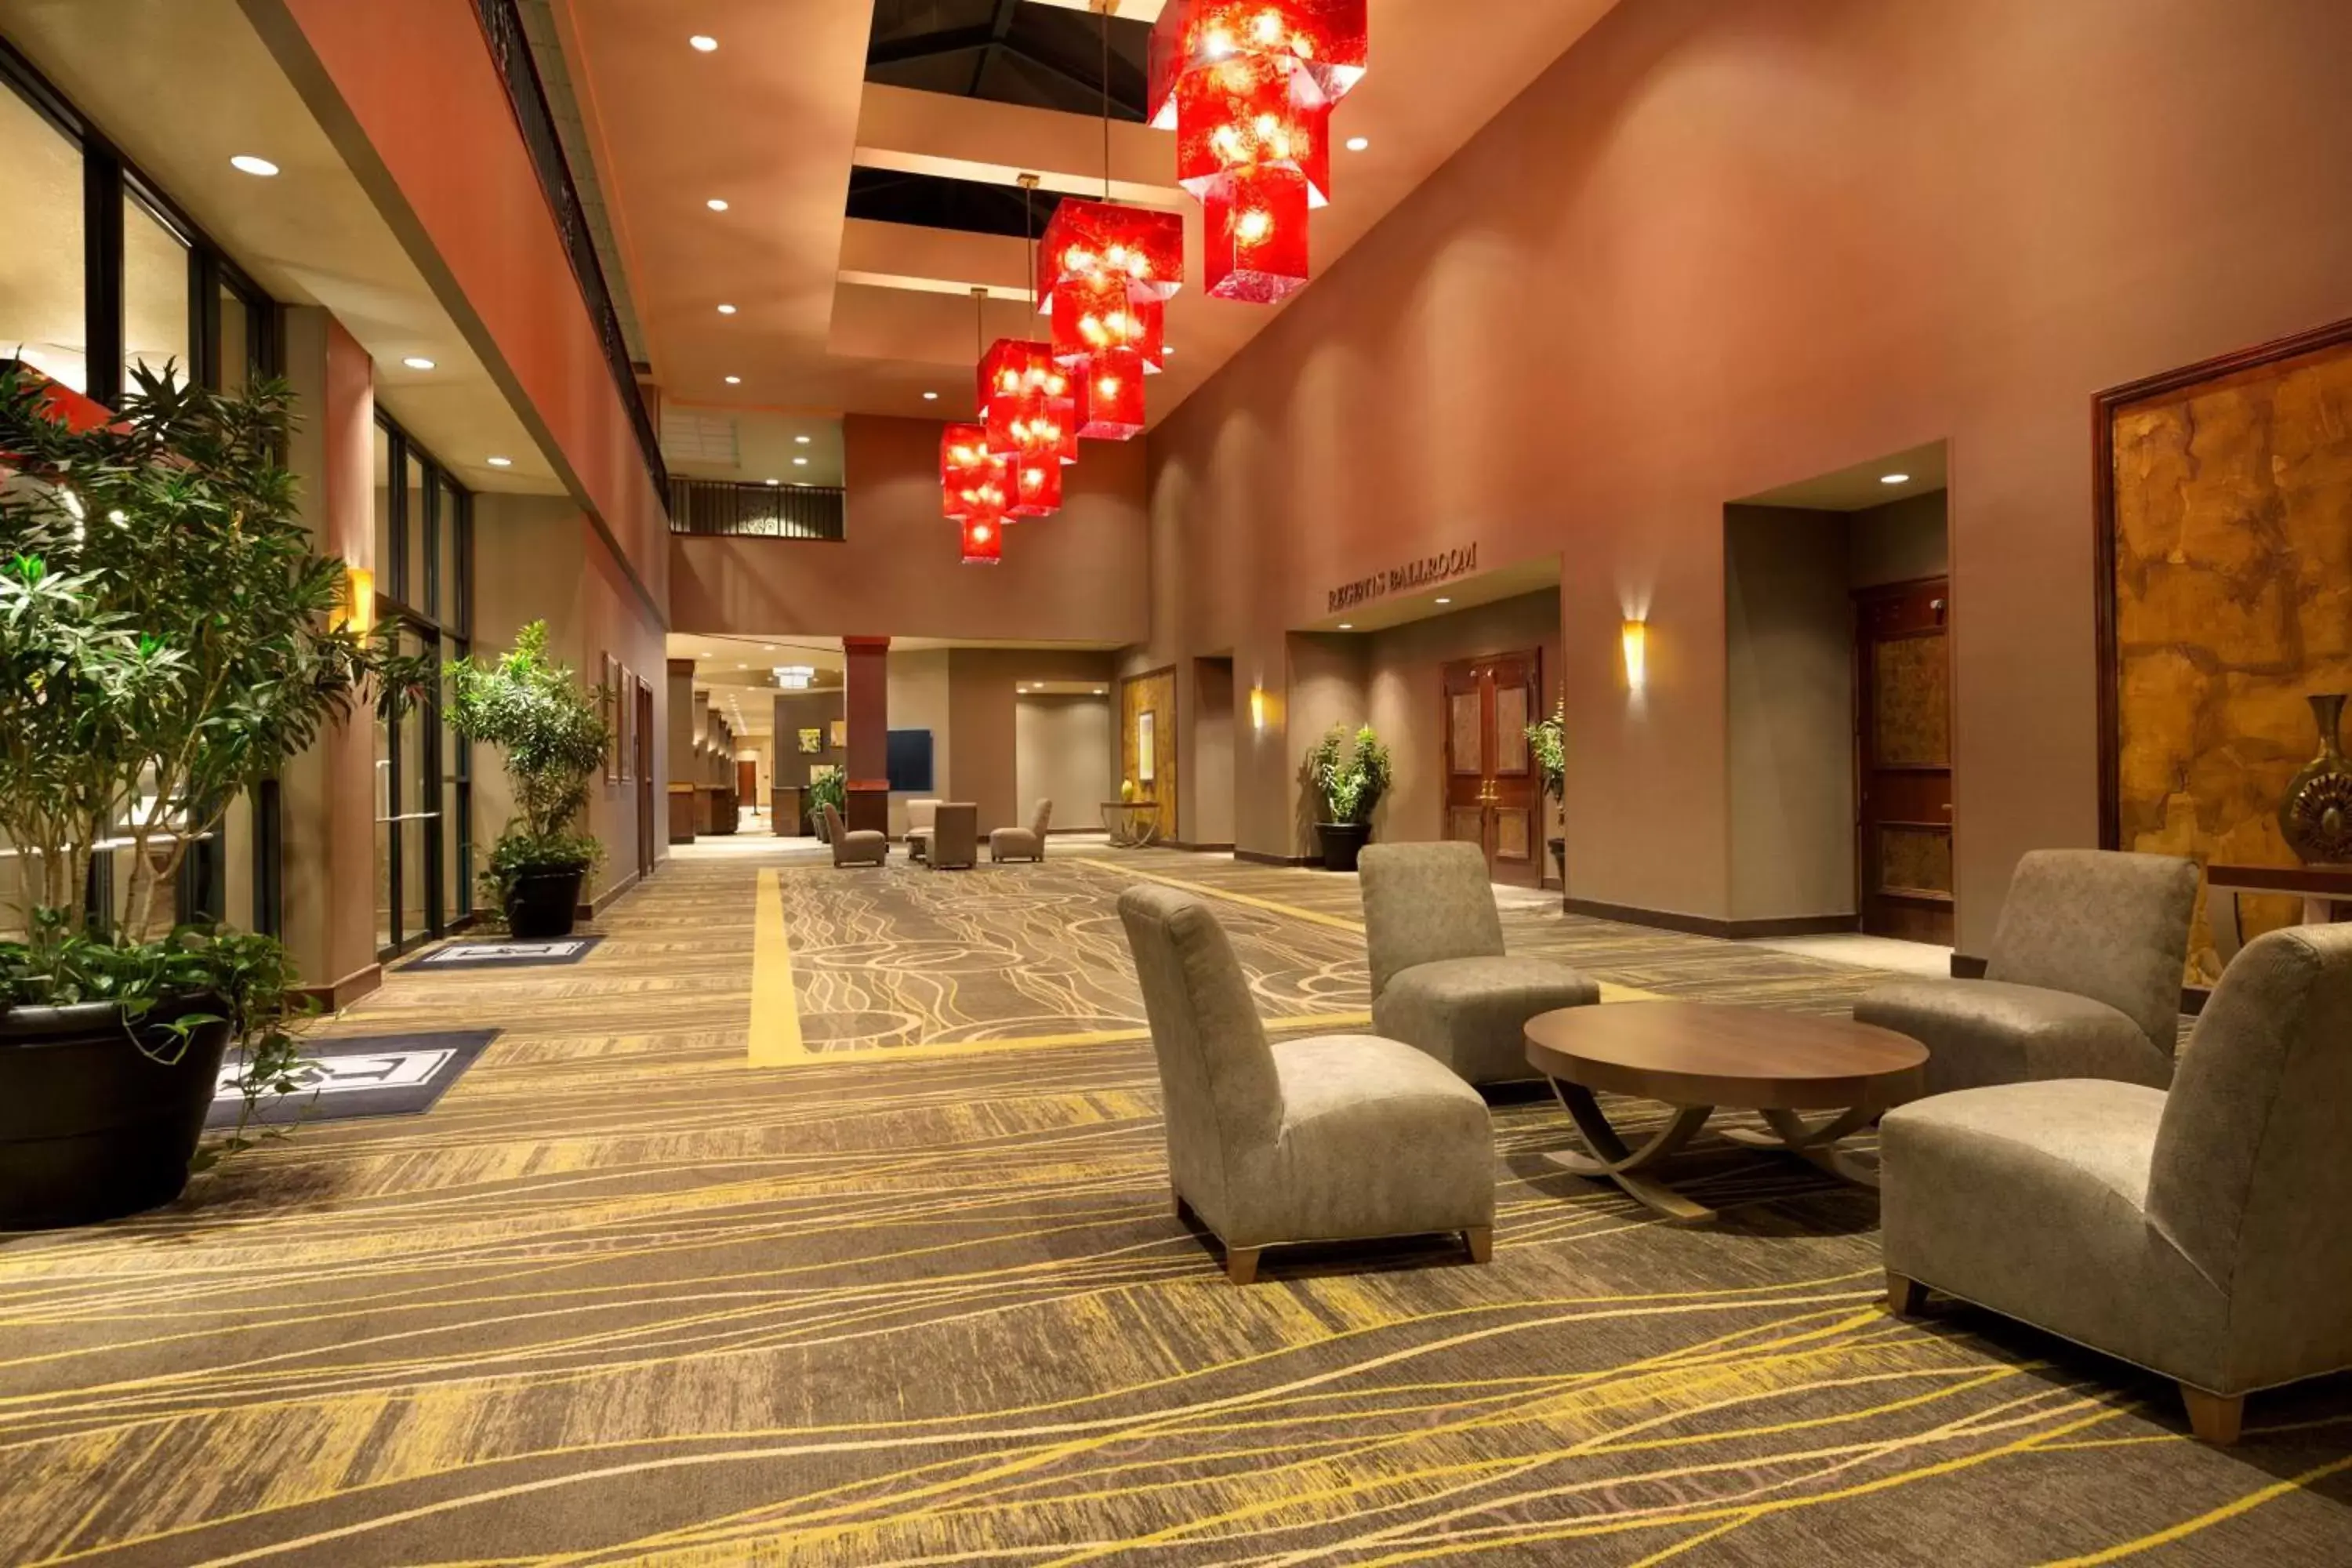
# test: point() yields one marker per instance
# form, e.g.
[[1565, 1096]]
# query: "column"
[[869, 731], [685, 756]]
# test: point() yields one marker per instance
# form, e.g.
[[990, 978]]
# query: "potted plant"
[[167, 640], [532, 708], [1546, 742], [828, 786], [1350, 782]]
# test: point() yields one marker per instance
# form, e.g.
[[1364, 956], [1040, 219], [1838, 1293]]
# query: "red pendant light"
[[1112, 409], [966, 466], [1106, 272], [983, 541], [1248, 87]]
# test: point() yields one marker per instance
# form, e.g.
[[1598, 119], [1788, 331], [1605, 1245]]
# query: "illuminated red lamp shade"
[[966, 469], [1254, 234], [1103, 241], [983, 541], [1252, 111], [1329, 40], [1113, 408]]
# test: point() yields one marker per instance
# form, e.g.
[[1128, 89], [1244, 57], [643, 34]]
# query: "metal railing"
[[721, 509], [502, 28]]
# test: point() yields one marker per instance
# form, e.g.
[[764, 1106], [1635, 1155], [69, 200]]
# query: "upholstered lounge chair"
[[920, 815], [1331, 1138], [1441, 980], [1021, 843], [955, 836], [863, 847], [2084, 980], [2206, 1235]]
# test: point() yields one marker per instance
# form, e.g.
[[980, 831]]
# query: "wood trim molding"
[[340, 995], [1708, 925], [589, 909], [1198, 848], [2104, 408], [1260, 857]]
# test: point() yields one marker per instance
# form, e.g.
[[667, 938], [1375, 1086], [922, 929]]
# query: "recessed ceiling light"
[[775, 482], [1358, 144], [716, 203], [930, 397], [1444, 601], [734, 380], [800, 462], [499, 462], [1347, 626], [417, 361], [726, 310], [1894, 478], [703, 42], [247, 163], [803, 440]]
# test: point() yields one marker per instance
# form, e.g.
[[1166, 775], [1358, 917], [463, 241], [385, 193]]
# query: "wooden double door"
[[1494, 794], [1903, 756]]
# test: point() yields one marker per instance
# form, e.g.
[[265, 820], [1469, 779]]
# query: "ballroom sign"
[[1426, 572]]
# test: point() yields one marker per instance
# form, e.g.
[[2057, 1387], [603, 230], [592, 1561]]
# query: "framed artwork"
[[841, 735], [611, 700], [811, 742], [1147, 747], [624, 732]]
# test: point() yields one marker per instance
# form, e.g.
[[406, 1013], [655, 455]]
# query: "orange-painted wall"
[[414, 101]]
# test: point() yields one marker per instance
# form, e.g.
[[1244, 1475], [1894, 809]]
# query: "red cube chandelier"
[[1248, 87], [1105, 273]]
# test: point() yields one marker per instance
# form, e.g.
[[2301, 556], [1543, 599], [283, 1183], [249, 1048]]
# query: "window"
[[42, 311], [154, 296], [425, 858]]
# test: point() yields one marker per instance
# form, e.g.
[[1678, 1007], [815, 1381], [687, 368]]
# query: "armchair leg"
[[1241, 1264], [1905, 1297], [1480, 1238], [1176, 1203], [2214, 1418]]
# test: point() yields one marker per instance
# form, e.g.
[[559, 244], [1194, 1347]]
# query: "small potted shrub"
[[1548, 744], [167, 640], [533, 710], [828, 786], [1350, 781]]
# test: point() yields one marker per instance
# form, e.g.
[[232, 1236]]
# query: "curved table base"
[[1612, 1157]]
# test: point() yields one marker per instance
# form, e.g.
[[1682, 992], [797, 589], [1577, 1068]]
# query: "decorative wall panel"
[[1154, 694], [2226, 536]]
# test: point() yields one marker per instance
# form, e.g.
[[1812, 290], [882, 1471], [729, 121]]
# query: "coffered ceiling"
[[837, 314]]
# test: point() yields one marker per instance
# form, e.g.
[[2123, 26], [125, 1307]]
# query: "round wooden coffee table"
[[1696, 1057]]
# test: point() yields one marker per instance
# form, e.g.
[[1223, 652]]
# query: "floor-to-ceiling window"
[[424, 789], [100, 274]]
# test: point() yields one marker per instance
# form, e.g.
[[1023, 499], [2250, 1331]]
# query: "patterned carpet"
[[624, 1297]]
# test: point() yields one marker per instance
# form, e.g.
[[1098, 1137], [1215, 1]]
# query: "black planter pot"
[[544, 904], [1559, 858], [1342, 842], [92, 1127]]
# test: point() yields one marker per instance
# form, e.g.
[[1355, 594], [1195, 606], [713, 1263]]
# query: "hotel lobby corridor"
[[624, 1296]]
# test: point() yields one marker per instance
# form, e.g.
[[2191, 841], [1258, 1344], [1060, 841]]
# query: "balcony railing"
[[717, 507], [510, 48]]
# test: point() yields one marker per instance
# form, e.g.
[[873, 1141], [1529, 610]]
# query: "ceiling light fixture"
[[417, 361], [800, 462], [703, 42], [930, 397], [1358, 144], [734, 380], [499, 462], [247, 163], [1444, 601], [1347, 626], [1894, 478], [775, 482], [726, 310], [803, 440], [716, 203]]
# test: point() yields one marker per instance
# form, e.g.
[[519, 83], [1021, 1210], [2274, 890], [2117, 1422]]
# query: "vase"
[[2316, 815]]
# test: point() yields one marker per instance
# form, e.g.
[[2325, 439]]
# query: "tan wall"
[[798, 710], [984, 686], [1404, 690], [1717, 249], [1061, 752], [919, 698], [1329, 683], [1901, 541], [450, 171], [1209, 763], [1077, 576], [1788, 688], [537, 557]]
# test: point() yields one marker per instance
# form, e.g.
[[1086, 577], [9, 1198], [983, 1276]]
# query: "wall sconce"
[[356, 614], [1257, 708], [1636, 638]]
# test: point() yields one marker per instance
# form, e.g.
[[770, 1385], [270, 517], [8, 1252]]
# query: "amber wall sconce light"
[[1635, 636], [356, 614]]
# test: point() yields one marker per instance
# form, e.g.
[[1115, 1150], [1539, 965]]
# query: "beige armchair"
[[1332, 1138], [2084, 980], [920, 815], [1021, 843], [1441, 980], [955, 836], [2206, 1235], [863, 847]]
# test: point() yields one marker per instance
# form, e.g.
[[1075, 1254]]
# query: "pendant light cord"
[[1106, 96]]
